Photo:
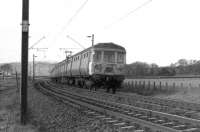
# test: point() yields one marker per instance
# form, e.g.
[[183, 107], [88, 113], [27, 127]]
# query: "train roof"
[[107, 45]]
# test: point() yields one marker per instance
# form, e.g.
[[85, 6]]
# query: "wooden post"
[[160, 86], [166, 84], [136, 86], [181, 85], [132, 85], [24, 59], [129, 86], [139, 87], [3, 76], [190, 86], [144, 90], [17, 81], [174, 87], [149, 85], [154, 85]]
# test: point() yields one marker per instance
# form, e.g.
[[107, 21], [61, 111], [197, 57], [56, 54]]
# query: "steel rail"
[[106, 107], [144, 102]]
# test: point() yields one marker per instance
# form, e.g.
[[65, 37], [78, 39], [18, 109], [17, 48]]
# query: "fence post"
[[166, 84], [132, 85], [181, 88], [160, 86], [144, 90], [154, 86], [3, 76], [135, 84], [129, 85], [149, 87], [17, 82], [174, 85], [139, 88], [190, 86]]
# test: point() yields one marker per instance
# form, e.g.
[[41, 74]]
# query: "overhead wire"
[[37, 42], [127, 14], [73, 17], [71, 20], [77, 12], [75, 41]]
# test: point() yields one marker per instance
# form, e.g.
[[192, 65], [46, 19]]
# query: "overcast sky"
[[157, 31]]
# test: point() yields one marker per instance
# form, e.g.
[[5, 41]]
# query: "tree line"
[[181, 67], [137, 69]]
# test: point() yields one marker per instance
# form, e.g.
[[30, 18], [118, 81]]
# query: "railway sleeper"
[[152, 119], [107, 118], [112, 121], [159, 121], [139, 131], [138, 120], [100, 116], [180, 127], [191, 130], [127, 128], [120, 124]]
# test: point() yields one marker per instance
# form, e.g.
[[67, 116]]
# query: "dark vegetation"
[[181, 68], [6, 69]]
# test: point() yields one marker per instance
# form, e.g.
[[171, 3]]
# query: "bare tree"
[[6, 68]]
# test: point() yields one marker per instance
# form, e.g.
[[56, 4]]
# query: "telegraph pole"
[[24, 59], [92, 39]]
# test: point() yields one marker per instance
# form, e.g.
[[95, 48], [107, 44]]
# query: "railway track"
[[167, 106], [120, 114]]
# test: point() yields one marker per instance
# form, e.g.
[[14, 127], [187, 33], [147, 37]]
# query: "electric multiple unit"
[[96, 66]]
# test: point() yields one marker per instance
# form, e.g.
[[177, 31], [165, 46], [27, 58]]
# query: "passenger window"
[[97, 56], [120, 57], [109, 56]]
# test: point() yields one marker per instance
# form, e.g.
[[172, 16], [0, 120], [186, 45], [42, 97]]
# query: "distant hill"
[[41, 68]]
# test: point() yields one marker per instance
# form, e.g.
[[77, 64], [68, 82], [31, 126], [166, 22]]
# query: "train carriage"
[[98, 66]]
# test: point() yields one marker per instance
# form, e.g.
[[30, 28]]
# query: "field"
[[184, 89], [10, 108]]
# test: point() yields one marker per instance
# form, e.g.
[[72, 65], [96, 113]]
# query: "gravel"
[[51, 115]]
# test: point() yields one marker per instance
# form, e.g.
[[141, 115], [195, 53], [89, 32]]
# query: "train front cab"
[[107, 67]]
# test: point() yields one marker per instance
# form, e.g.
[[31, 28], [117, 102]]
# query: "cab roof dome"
[[109, 45]]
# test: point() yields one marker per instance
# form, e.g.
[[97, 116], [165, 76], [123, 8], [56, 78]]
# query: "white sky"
[[161, 31]]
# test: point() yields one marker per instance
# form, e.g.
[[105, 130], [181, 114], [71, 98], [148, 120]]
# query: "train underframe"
[[108, 82]]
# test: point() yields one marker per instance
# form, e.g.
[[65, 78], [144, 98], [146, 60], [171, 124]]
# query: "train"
[[99, 66]]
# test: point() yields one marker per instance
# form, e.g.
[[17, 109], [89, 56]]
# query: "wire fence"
[[148, 87]]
